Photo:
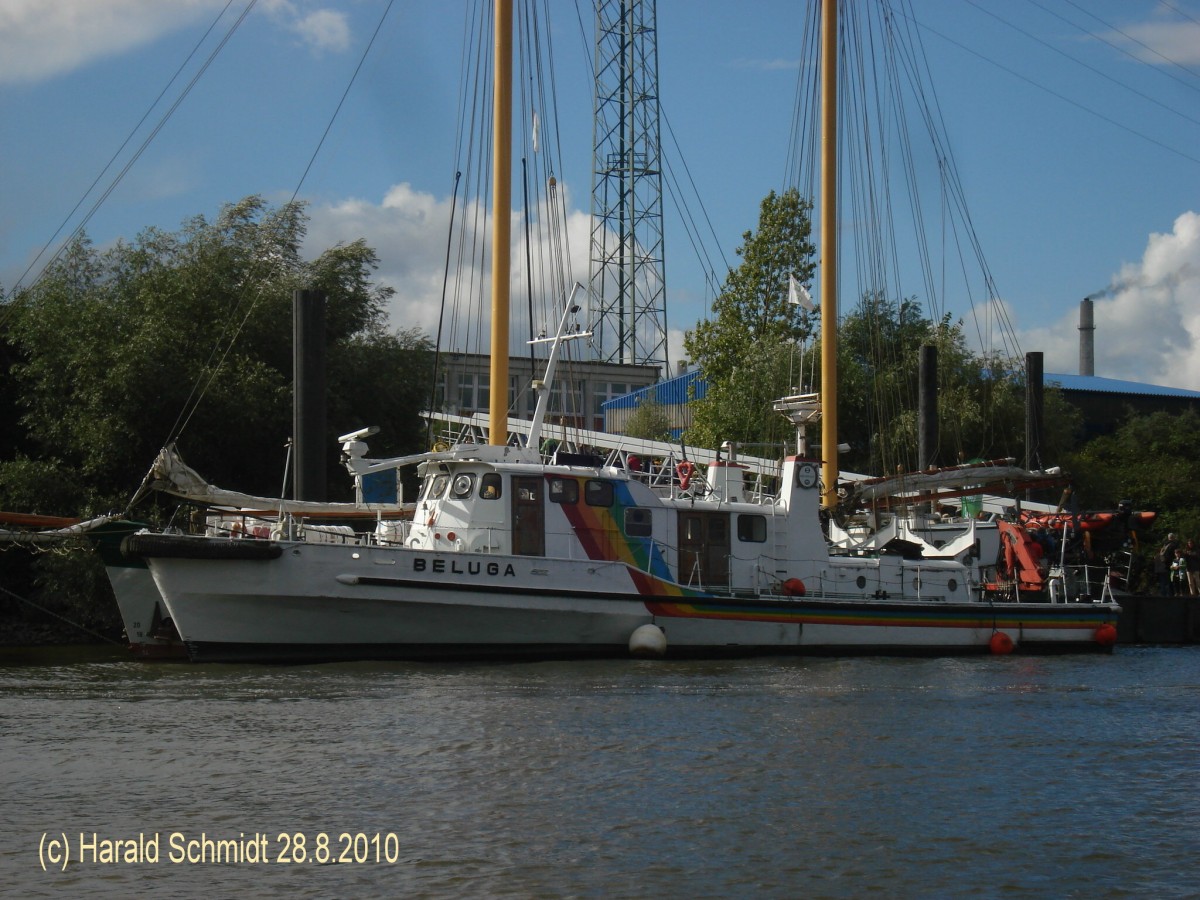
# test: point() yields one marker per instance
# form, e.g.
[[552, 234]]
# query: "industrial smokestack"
[[1087, 338]]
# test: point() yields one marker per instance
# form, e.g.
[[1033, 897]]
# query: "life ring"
[[685, 470]]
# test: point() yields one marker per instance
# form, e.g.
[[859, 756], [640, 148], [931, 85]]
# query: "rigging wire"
[[283, 217], [1060, 96], [544, 247], [203, 383], [1134, 40], [889, 108], [78, 230], [1093, 69]]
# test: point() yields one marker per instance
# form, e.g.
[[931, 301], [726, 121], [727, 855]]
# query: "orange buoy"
[[1000, 644], [1106, 635], [794, 587]]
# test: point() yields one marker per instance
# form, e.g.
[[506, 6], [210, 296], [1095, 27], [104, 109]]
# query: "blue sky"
[[1075, 125]]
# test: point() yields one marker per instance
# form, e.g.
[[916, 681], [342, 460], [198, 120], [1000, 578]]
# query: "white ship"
[[513, 555]]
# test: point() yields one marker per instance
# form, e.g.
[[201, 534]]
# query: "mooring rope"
[[50, 612]]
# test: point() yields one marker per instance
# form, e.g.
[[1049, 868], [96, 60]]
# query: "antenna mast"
[[627, 277]]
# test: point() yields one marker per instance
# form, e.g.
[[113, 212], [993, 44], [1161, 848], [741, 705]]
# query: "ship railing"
[[1090, 581]]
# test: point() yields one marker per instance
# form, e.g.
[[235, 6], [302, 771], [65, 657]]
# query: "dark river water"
[[992, 777]]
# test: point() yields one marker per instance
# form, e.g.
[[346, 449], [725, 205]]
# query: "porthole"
[[462, 486], [861, 582], [952, 585]]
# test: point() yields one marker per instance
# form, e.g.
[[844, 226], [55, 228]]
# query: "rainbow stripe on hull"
[[888, 627]]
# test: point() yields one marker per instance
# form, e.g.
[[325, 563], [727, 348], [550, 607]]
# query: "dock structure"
[[1147, 619]]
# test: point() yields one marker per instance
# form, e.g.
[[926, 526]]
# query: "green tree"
[[184, 336], [649, 421], [745, 347], [753, 351], [187, 336], [980, 399], [1150, 460]]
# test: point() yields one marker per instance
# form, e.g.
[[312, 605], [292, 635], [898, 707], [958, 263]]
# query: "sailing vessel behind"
[[513, 555]]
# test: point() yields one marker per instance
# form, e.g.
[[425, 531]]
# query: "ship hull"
[[326, 603]]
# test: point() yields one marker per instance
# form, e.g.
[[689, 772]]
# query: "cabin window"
[[489, 486], [598, 493], [564, 490], [464, 482], [438, 487], [637, 522], [752, 529]]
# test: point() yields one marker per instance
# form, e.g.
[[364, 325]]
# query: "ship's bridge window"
[[752, 529], [564, 490], [438, 487], [464, 483], [637, 522], [489, 486], [598, 493]]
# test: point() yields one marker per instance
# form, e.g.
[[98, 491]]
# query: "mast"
[[829, 253], [501, 204]]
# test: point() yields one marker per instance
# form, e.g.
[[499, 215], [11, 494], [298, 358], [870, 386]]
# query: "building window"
[[566, 398], [608, 390], [472, 390]]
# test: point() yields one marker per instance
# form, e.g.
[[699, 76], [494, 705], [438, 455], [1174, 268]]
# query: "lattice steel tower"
[[627, 274]]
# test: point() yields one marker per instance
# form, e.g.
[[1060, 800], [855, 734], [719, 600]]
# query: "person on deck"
[[1191, 553], [1162, 564], [1179, 574]]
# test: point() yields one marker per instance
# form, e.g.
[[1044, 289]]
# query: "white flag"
[[534, 139], [798, 294]]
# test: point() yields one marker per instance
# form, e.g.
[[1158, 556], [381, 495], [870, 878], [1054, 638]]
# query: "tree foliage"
[[649, 421], [744, 347], [188, 336], [1149, 460], [753, 350], [980, 399]]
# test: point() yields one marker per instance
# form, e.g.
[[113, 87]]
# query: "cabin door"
[[528, 517], [704, 548]]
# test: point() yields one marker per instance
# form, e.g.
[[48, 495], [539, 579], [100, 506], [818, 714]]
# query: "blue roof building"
[[673, 395], [1104, 402]]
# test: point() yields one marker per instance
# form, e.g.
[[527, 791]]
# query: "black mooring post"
[[1033, 411], [308, 410], [927, 419]]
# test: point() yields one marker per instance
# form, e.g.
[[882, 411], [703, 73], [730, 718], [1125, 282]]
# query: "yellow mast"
[[828, 293], [501, 206]]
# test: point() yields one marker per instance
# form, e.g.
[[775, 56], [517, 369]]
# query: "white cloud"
[[324, 29], [1162, 43], [1147, 322], [40, 39], [408, 230]]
